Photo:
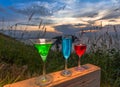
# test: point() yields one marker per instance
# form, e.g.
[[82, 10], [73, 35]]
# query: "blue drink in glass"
[[66, 47], [66, 50]]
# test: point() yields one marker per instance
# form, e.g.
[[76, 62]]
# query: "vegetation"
[[19, 61], [14, 57]]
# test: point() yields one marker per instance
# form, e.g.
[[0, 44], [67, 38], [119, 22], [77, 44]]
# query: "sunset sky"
[[59, 14]]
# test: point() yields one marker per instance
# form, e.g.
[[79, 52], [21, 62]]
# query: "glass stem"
[[44, 71], [79, 64], [65, 64]]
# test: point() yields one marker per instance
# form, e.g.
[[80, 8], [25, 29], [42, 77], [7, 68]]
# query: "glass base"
[[79, 68], [85, 67], [44, 80], [66, 73]]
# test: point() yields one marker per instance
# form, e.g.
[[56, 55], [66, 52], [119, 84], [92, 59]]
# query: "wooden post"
[[87, 78]]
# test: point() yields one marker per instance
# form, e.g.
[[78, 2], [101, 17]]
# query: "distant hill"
[[20, 34]]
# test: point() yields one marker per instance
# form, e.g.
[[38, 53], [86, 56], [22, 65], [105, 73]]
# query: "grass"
[[19, 61], [15, 54]]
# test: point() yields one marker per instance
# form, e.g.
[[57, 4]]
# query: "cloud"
[[67, 29], [37, 10], [87, 11], [112, 14], [37, 7], [87, 14], [112, 20], [30, 8], [66, 11], [79, 24], [115, 1]]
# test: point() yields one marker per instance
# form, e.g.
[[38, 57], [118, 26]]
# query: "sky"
[[58, 14]]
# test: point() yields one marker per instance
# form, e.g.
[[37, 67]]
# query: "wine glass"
[[80, 49], [66, 50], [43, 46]]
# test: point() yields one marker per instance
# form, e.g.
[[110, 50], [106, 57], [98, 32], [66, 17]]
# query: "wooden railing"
[[87, 78]]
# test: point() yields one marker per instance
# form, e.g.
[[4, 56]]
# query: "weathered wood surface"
[[87, 78]]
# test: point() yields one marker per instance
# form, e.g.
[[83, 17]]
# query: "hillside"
[[16, 60], [16, 52]]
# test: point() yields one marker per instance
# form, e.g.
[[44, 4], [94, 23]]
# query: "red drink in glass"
[[80, 50]]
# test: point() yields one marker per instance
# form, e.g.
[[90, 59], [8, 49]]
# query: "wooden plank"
[[87, 78]]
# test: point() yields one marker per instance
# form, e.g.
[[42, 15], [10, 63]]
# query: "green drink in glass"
[[43, 49], [43, 46]]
